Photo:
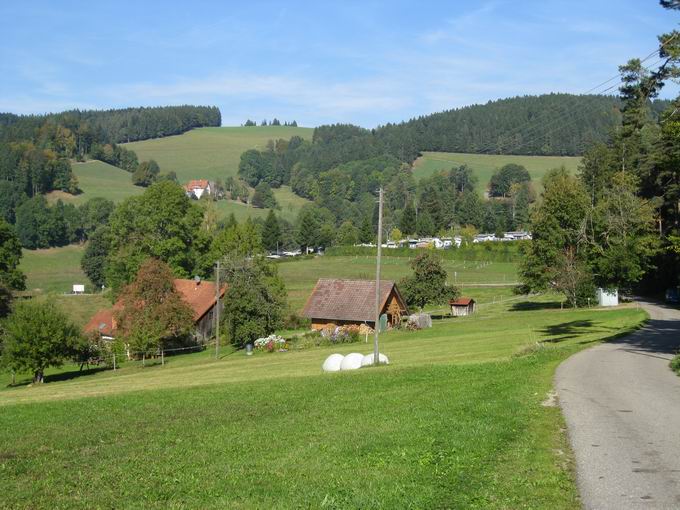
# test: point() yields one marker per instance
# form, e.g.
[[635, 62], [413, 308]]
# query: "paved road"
[[622, 407]]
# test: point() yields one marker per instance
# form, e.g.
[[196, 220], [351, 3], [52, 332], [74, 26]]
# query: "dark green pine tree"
[[425, 225], [231, 221], [366, 233], [407, 224], [307, 228], [271, 233]]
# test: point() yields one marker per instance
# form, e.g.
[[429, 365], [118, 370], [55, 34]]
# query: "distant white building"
[[196, 188], [518, 236], [483, 238]]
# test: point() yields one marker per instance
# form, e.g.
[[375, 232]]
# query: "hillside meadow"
[[455, 421], [210, 153], [97, 179], [484, 165]]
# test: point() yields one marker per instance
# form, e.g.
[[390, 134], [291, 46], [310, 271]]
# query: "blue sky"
[[317, 62]]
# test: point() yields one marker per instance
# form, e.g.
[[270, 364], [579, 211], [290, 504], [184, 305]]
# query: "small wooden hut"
[[344, 302], [462, 306]]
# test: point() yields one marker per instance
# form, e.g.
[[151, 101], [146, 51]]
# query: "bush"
[[294, 321], [675, 364], [331, 335]]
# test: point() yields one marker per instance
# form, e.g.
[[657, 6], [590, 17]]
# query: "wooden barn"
[[344, 302], [462, 306], [199, 295]]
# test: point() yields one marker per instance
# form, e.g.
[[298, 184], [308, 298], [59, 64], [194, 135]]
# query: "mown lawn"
[[484, 165], [455, 421], [210, 153], [300, 275], [54, 269]]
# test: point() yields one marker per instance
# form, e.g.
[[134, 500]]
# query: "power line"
[[563, 116]]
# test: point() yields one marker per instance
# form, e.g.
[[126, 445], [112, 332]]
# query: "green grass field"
[[300, 275], [57, 269], [210, 153], [53, 269], [455, 421], [97, 179], [484, 165]]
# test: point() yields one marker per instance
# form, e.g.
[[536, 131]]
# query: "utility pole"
[[217, 310], [376, 352]]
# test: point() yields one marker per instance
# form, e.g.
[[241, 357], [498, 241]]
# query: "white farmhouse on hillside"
[[197, 188]]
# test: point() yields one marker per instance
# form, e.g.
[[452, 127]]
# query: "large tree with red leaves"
[[153, 312]]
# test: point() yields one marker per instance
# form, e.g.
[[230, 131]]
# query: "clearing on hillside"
[[210, 153], [484, 165], [289, 203], [99, 179]]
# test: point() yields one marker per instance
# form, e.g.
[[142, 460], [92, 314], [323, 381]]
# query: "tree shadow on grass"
[[567, 330], [527, 306], [62, 376], [657, 337]]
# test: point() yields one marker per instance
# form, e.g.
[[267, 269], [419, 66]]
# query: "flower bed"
[[271, 343]]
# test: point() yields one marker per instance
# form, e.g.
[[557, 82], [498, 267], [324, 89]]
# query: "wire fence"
[[114, 360]]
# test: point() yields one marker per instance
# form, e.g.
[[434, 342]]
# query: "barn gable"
[[351, 300]]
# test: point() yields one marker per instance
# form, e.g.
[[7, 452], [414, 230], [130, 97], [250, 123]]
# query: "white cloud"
[[329, 100]]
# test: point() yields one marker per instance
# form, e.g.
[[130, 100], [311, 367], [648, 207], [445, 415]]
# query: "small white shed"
[[608, 297]]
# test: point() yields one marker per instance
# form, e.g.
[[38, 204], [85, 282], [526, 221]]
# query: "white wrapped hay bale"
[[332, 363], [367, 360], [352, 361]]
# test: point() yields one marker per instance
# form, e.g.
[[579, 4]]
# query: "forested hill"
[[36, 150], [112, 126], [551, 124]]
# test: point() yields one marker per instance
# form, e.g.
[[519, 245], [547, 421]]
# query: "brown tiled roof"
[[196, 183], [461, 301], [348, 300], [201, 298], [102, 321]]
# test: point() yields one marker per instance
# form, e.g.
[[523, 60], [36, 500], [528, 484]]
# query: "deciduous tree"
[[255, 301], [153, 312], [37, 335], [428, 284]]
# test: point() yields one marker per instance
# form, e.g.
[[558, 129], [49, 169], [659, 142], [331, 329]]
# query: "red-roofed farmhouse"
[[196, 188], [199, 295]]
